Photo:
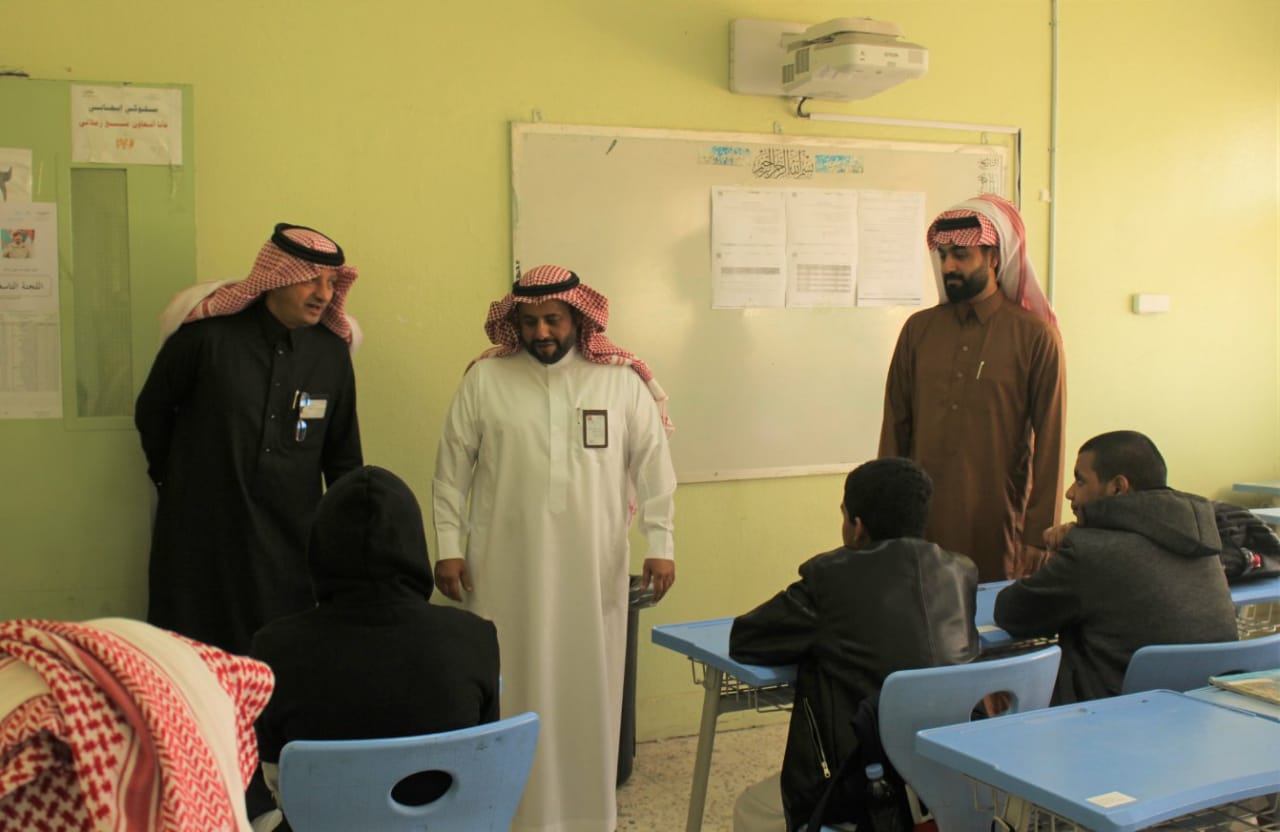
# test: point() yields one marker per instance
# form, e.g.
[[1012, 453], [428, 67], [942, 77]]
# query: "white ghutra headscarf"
[[998, 224]]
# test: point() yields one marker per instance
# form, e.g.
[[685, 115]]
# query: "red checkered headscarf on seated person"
[[291, 256], [117, 726], [544, 283], [998, 223]]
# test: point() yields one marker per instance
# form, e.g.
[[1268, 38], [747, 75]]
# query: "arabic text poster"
[[129, 125], [30, 335]]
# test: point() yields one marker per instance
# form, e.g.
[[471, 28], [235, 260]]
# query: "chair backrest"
[[1189, 666], [912, 700], [341, 785]]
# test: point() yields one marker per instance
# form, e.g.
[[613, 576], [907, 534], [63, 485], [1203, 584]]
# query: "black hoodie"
[[1140, 568], [374, 658]]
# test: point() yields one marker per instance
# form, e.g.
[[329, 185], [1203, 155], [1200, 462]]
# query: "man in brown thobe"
[[976, 393]]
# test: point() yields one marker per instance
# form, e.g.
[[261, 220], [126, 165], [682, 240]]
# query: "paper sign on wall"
[[128, 125], [15, 174], [30, 340]]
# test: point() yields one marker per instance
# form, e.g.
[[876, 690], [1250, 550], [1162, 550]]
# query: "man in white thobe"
[[558, 437]]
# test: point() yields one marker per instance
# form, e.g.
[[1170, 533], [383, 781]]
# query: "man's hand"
[[1054, 536], [452, 577], [661, 572], [1027, 561]]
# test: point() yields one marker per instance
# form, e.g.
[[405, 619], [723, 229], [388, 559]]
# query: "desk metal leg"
[[706, 742]]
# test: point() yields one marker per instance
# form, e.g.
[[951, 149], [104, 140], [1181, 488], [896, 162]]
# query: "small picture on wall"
[[17, 243]]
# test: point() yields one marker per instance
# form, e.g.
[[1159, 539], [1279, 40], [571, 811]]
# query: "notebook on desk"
[[1262, 684]]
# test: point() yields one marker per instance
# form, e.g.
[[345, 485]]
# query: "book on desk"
[[1261, 684]]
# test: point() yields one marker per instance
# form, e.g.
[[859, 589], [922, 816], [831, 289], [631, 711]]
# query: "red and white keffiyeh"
[[273, 268], [122, 726], [504, 331], [999, 223]]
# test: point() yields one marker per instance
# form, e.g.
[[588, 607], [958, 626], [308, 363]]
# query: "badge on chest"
[[595, 428], [308, 407]]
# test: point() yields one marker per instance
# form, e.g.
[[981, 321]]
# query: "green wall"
[[386, 124], [74, 503]]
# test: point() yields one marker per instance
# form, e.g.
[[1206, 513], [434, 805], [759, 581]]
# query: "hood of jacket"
[[367, 540], [1175, 521]]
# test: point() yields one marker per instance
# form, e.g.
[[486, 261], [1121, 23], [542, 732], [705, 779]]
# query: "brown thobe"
[[976, 395]]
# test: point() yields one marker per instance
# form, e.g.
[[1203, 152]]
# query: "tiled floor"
[[656, 797]]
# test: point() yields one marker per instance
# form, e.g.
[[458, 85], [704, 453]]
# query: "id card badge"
[[314, 408], [595, 428], [309, 406]]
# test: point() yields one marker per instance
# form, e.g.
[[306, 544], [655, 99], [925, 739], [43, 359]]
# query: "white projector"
[[849, 58]]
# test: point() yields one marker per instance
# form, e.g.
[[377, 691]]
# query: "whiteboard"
[[754, 392]]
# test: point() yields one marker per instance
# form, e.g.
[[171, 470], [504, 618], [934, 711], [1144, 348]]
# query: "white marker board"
[[754, 392]]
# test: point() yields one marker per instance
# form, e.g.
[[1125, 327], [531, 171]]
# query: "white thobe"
[[548, 555]]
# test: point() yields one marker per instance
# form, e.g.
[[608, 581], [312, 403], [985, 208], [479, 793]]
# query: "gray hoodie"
[[1140, 568]]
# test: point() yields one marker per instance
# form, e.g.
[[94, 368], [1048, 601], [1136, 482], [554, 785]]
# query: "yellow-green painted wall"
[[386, 125]]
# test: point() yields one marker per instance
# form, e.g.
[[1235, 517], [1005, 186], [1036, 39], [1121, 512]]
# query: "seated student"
[[1139, 566], [887, 600], [116, 724], [373, 658]]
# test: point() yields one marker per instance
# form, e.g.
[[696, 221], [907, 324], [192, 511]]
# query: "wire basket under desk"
[[737, 695], [1257, 814]]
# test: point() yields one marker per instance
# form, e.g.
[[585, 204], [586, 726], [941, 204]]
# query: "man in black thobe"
[[249, 404]]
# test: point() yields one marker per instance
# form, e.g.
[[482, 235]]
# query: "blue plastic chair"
[[912, 700], [344, 785], [1184, 667]]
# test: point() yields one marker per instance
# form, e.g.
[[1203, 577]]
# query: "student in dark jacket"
[[373, 658], [1139, 566], [887, 600]]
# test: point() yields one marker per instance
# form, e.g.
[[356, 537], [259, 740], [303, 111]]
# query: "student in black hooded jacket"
[[373, 658]]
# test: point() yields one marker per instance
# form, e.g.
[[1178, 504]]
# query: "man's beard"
[[562, 349], [971, 285]]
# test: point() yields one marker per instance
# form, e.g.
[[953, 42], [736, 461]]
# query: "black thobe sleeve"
[[171, 380], [342, 451]]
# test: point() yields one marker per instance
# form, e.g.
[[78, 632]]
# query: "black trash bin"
[[638, 600]]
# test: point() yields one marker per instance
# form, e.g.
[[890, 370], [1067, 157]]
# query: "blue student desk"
[[1270, 516], [730, 686], [727, 686], [1239, 701], [1271, 488], [991, 637], [1262, 591], [1120, 764]]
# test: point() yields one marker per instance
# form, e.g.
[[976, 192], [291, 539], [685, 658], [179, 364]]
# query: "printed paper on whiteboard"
[[891, 248], [822, 247], [748, 248]]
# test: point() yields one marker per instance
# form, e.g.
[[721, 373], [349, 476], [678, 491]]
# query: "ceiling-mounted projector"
[[849, 58], [843, 59]]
